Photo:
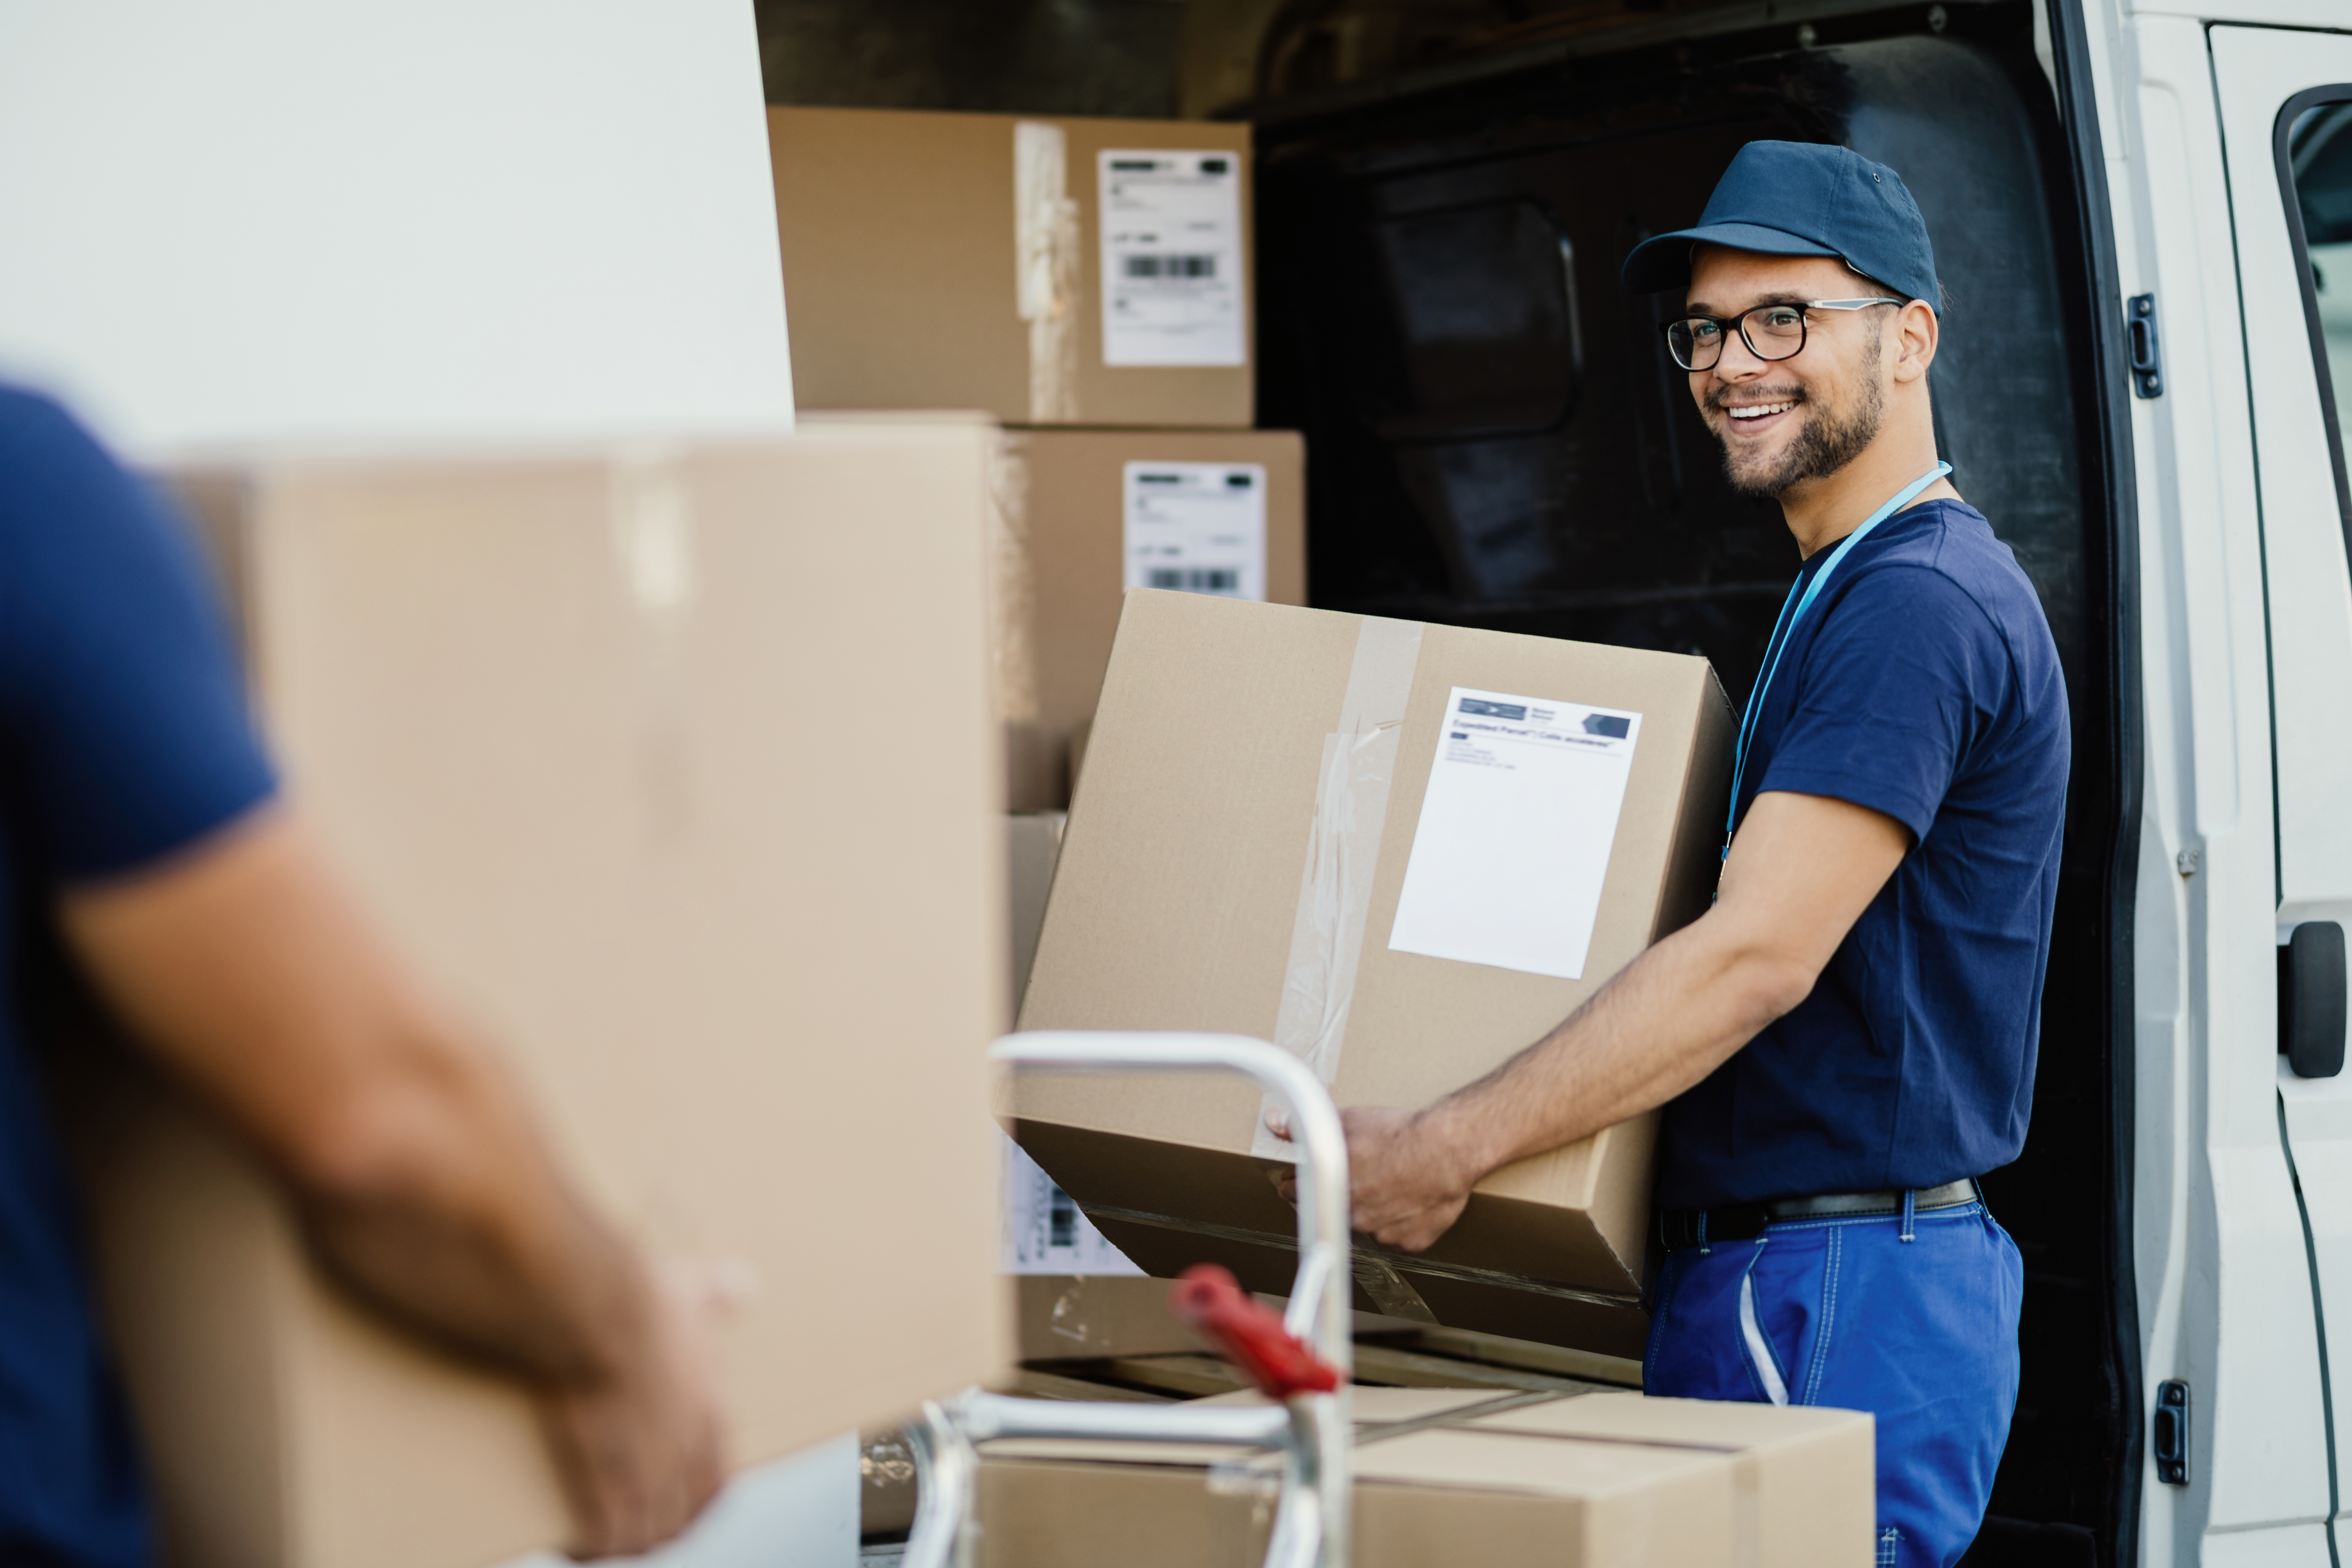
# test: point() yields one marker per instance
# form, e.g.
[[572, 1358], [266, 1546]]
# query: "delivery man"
[[1847, 1039], [139, 820]]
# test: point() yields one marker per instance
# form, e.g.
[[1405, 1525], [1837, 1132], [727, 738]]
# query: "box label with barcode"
[[1172, 257], [1197, 528]]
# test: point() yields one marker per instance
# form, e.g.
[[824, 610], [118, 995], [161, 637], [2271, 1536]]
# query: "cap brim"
[[1663, 262]]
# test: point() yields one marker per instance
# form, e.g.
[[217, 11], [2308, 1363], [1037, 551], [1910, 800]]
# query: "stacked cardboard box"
[[1084, 515], [1048, 271], [667, 770], [1448, 1476], [1404, 853], [1087, 282]]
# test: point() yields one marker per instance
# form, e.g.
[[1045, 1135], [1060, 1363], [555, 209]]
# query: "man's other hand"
[[640, 1449], [1406, 1185]]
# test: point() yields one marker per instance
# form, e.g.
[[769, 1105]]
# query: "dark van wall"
[[1945, 117], [1496, 435]]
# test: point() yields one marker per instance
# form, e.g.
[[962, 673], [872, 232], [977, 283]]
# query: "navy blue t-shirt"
[[1923, 683], [123, 737]]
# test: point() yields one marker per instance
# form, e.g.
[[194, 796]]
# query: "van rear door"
[[2285, 101]]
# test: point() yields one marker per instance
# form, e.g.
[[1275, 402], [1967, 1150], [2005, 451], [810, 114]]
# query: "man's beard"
[[1826, 444]]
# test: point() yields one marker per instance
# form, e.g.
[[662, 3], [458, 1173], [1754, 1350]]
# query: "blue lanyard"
[[1779, 644]]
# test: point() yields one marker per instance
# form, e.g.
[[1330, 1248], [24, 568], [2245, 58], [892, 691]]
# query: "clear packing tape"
[[1335, 892], [1046, 276]]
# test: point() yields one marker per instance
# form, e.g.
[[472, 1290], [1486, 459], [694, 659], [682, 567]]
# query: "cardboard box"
[[1286, 817], [669, 773], [1088, 1317], [1032, 840], [959, 261], [1445, 1477], [1087, 514]]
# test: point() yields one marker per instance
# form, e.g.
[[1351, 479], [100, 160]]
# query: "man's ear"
[[1915, 340]]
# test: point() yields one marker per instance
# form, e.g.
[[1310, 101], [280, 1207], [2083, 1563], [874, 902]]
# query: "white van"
[[2143, 216]]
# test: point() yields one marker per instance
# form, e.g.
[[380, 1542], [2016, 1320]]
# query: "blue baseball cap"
[[1803, 198]]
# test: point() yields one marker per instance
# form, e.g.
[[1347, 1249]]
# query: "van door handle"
[[2147, 355], [2311, 1006]]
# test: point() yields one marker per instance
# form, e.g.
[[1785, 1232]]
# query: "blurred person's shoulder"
[[30, 418]]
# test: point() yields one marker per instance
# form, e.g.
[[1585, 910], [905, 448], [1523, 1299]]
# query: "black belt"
[[1678, 1228]]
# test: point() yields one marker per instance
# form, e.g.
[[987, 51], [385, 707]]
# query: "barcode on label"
[[1170, 266], [1196, 579]]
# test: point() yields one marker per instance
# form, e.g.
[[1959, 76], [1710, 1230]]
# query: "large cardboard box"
[[1449, 1477], [1404, 853], [1049, 271], [1086, 515], [676, 772]]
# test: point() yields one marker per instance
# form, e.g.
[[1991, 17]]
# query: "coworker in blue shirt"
[[139, 820], [1847, 1038]]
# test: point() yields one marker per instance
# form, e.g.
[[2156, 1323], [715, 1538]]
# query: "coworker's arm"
[[1801, 871], [420, 1176]]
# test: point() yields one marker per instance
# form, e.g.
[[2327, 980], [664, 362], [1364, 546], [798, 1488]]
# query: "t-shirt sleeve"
[[122, 708], [1896, 686]]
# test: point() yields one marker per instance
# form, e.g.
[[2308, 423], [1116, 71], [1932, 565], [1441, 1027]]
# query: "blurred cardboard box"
[[1087, 514], [663, 769], [1049, 271], [1404, 853], [1448, 1476]]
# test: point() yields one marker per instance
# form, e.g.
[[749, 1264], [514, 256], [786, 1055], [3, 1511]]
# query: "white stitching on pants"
[[1767, 1370], [1829, 1320], [1890, 1546]]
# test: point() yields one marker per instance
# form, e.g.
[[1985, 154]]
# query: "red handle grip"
[[1252, 1338]]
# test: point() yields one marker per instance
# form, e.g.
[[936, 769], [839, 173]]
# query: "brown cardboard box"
[[1032, 840], [1086, 1317], [1259, 783], [956, 262], [1077, 532], [1445, 1477], [669, 773]]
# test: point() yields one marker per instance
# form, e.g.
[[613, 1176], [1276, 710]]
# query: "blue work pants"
[[1920, 1329]]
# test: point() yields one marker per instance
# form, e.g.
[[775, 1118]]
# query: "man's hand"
[[1406, 1185], [640, 1450]]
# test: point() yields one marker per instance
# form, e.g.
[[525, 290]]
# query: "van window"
[[2317, 159]]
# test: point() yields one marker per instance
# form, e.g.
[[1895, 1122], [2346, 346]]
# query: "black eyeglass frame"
[[1739, 323]]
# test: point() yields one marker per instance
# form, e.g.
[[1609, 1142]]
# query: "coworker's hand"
[[641, 1448], [1406, 1185]]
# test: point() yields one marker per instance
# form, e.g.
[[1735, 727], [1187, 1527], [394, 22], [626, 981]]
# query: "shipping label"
[[1513, 843], [1172, 259]]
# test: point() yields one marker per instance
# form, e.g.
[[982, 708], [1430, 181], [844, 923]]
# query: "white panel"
[[799, 1512], [2310, 596], [468, 220], [2231, 1310]]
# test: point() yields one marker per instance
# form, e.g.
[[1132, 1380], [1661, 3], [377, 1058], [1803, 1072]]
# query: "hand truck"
[[1304, 1360]]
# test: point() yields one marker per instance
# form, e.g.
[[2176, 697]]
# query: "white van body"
[[2244, 1274]]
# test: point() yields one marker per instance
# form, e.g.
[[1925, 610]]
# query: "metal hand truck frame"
[[1313, 1431]]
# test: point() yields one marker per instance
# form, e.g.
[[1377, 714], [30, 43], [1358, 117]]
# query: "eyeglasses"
[[1771, 332]]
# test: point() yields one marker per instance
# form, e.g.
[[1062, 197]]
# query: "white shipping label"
[[1044, 1231], [1198, 528], [1513, 842], [1172, 259]]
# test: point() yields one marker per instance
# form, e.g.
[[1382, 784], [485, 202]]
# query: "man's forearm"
[[1672, 1017], [1801, 871], [409, 1152], [466, 1233]]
